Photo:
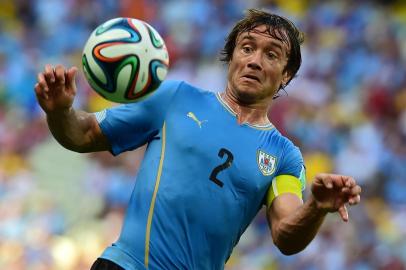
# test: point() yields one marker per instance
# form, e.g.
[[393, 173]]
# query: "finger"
[[349, 181], [343, 213], [49, 73], [42, 82], [325, 179], [37, 89], [356, 190], [353, 191], [354, 200], [71, 75], [60, 74], [342, 181], [39, 92], [336, 180]]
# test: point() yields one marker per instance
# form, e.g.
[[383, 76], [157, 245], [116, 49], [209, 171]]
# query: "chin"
[[247, 96]]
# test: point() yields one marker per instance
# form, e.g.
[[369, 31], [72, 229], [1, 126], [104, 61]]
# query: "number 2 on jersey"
[[221, 167]]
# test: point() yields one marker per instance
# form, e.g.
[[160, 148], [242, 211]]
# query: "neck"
[[254, 114]]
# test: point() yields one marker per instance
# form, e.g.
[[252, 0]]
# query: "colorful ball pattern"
[[125, 59]]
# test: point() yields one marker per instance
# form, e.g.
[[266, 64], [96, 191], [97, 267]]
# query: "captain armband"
[[283, 184]]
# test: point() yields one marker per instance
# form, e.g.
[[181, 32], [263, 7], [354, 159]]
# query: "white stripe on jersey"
[[100, 116]]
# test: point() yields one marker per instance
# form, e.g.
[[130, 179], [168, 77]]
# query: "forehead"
[[267, 33]]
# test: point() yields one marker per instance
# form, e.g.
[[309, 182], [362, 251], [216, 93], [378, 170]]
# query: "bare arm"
[[75, 130], [294, 224], [78, 131]]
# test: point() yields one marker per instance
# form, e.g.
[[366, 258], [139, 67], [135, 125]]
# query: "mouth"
[[251, 77]]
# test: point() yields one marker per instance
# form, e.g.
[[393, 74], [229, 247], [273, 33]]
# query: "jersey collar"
[[230, 110]]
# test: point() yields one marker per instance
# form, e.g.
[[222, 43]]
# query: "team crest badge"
[[266, 163]]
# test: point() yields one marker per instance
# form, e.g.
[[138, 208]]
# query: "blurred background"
[[346, 110]]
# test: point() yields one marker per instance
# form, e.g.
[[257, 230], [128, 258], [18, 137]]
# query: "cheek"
[[276, 72], [232, 70], [230, 73]]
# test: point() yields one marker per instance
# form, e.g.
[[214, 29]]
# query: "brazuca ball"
[[125, 59]]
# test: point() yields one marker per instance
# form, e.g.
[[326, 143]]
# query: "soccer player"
[[212, 161]]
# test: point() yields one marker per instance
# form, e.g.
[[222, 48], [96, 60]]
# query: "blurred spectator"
[[346, 110]]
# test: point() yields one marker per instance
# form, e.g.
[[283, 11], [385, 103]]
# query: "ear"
[[285, 78]]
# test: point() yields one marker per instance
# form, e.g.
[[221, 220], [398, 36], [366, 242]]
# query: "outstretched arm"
[[294, 224], [75, 130]]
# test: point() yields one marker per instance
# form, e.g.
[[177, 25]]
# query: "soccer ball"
[[125, 59]]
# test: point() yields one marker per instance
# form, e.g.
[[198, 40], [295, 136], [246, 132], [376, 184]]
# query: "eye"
[[246, 49], [272, 55]]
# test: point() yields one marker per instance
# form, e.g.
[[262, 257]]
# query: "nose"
[[255, 61]]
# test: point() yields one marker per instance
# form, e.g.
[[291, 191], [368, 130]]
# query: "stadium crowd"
[[346, 110]]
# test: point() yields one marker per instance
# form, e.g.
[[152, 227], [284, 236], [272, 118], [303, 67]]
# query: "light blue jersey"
[[203, 179]]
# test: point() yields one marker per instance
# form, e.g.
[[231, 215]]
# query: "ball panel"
[[139, 86], [155, 38], [120, 29], [127, 73], [109, 52], [107, 25], [115, 51], [123, 78], [91, 70], [117, 34], [93, 82], [158, 71]]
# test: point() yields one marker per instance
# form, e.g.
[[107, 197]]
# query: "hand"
[[331, 192], [56, 88]]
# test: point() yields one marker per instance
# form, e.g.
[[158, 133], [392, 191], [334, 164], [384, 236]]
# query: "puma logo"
[[194, 118]]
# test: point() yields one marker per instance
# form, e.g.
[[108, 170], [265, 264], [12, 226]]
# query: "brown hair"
[[277, 27]]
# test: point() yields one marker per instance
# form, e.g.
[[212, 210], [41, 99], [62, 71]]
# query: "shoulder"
[[282, 141], [169, 86], [186, 90], [289, 145], [185, 86], [290, 150], [290, 154], [291, 162]]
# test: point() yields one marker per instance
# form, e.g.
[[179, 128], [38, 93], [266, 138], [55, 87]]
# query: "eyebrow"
[[246, 35]]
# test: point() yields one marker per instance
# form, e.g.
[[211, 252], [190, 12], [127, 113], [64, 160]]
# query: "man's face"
[[256, 69]]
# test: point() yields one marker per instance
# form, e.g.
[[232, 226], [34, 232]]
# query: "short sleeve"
[[291, 176], [129, 126], [293, 164]]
